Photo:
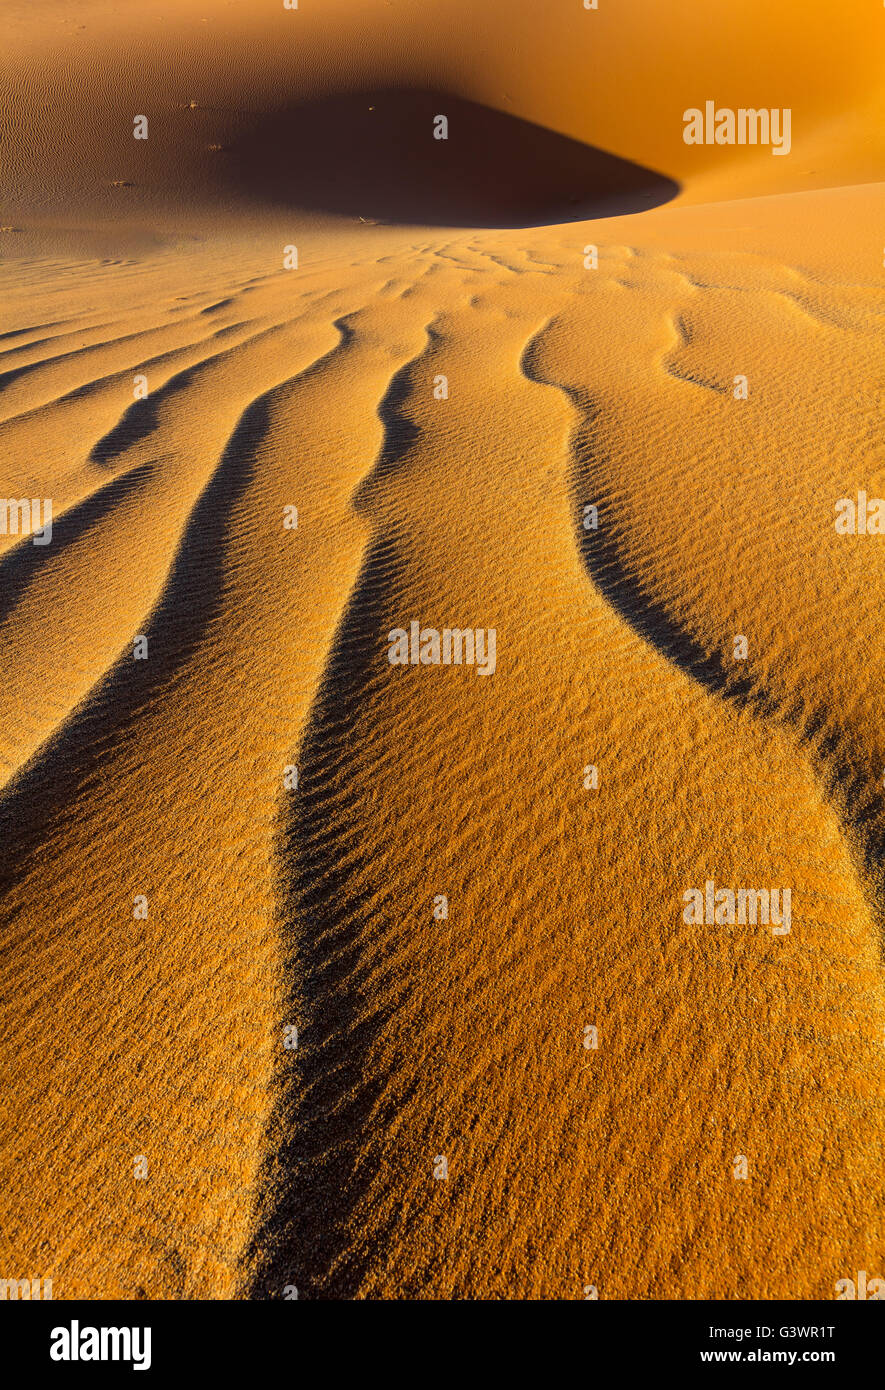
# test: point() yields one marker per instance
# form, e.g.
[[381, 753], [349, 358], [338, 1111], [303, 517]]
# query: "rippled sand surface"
[[520, 1072]]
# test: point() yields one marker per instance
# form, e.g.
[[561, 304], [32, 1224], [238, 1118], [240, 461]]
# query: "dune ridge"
[[442, 400]]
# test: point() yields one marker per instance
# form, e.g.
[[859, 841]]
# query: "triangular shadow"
[[373, 154]]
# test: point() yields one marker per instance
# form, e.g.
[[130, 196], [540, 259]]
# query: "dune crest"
[[435, 977]]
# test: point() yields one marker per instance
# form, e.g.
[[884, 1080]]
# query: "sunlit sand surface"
[[421, 1038]]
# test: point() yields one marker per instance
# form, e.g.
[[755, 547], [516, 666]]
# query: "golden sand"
[[164, 785]]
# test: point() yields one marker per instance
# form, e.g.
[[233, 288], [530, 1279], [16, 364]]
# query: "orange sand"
[[162, 1037]]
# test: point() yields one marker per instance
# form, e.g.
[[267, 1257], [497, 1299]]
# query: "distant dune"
[[377, 980], [370, 153]]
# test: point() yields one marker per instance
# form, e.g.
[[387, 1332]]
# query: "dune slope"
[[228, 818]]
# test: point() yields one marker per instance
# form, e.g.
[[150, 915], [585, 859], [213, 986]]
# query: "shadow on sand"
[[841, 763], [373, 154]]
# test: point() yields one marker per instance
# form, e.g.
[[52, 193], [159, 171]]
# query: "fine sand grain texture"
[[561, 376]]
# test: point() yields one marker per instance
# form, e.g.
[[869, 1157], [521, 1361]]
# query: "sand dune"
[[171, 903]]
